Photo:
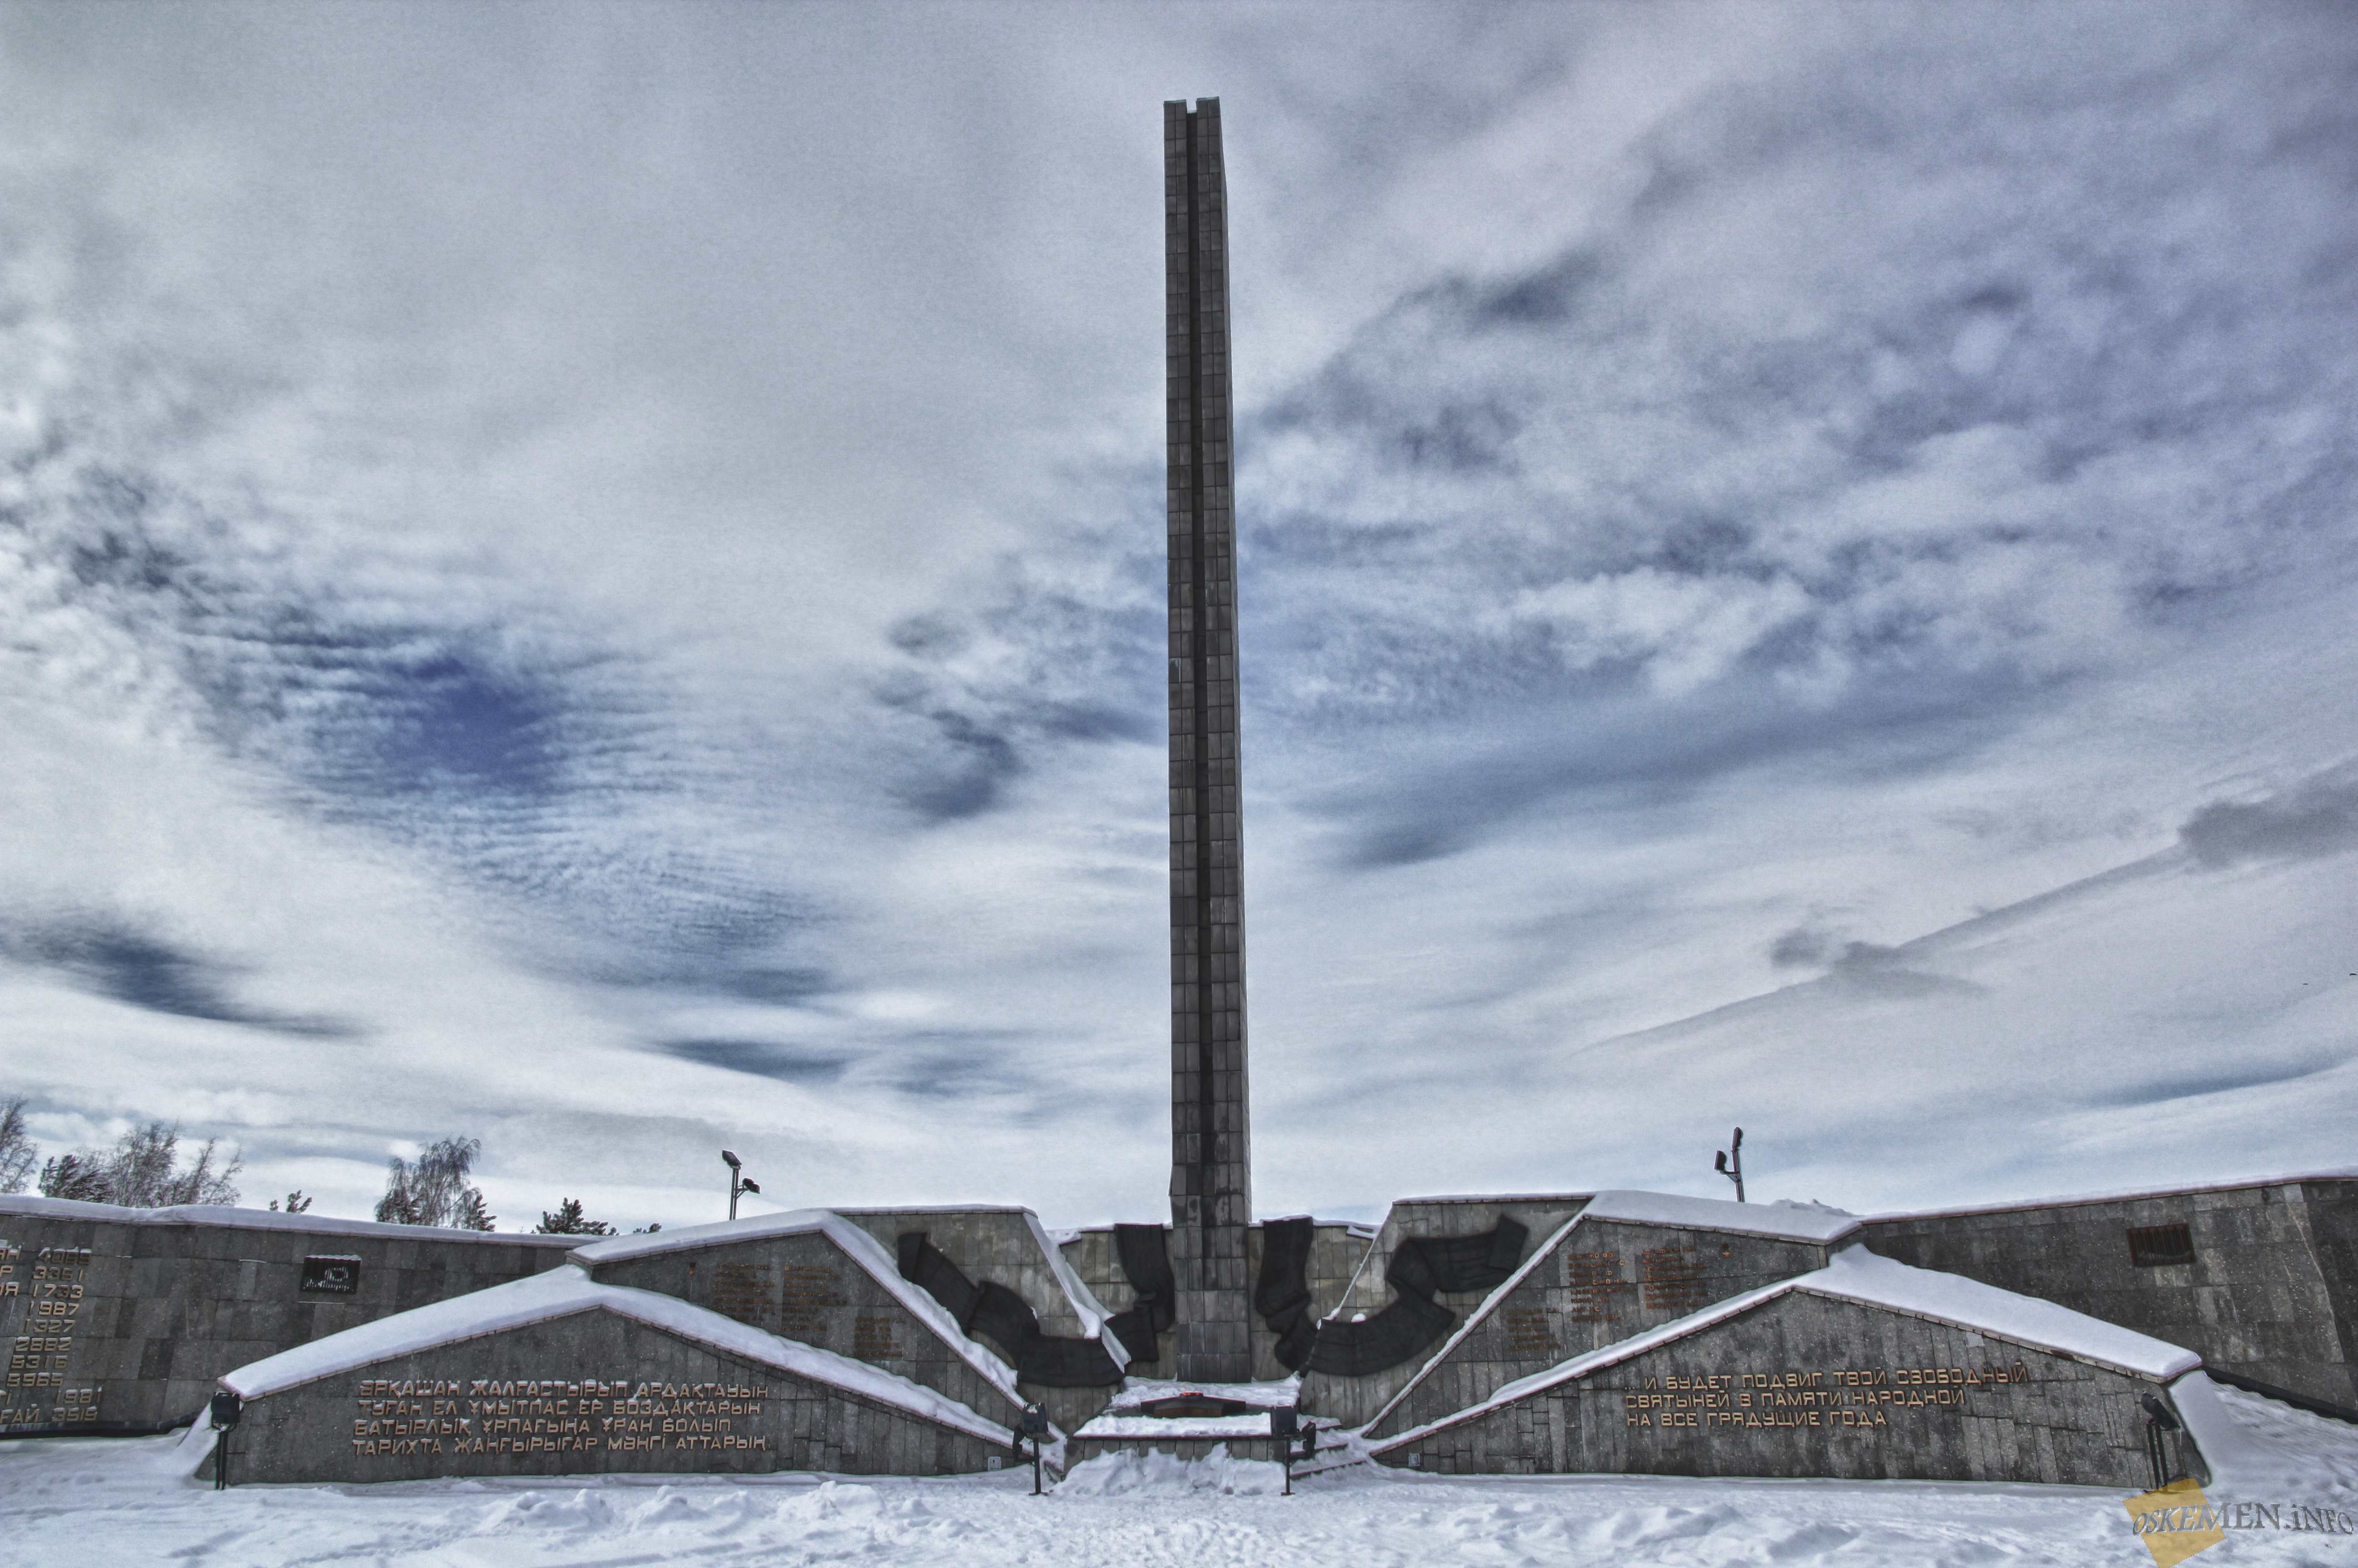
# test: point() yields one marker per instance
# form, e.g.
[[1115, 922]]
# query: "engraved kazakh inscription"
[[397, 1417]]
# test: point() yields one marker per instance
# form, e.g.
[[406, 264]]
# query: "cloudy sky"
[[591, 577]]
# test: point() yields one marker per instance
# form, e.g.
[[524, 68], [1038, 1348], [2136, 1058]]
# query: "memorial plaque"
[[1594, 1286], [330, 1276], [742, 1291], [1672, 1279], [810, 1290], [875, 1338], [1529, 1333]]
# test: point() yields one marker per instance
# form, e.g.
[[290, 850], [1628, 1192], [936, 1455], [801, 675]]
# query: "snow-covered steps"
[[1864, 1370], [562, 1375], [1186, 1420]]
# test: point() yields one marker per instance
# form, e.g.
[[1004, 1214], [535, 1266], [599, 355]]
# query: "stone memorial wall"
[[594, 1391], [1335, 1252], [119, 1320], [1598, 1280], [2261, 1278], [1804, 1385], [1354, 1400], [807, 1286]]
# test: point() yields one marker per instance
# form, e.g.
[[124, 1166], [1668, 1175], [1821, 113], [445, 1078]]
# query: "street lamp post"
[[738, 1181], [1729, 1162]]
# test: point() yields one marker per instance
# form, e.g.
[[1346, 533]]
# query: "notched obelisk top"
[[1211, 1148]]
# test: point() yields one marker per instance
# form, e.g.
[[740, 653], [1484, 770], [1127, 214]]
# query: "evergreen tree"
[[298, 1201], [72, 1177], [568, 1221], [472, 1214]]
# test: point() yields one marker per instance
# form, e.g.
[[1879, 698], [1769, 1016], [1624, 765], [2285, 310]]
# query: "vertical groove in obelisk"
[[1211, 1147]]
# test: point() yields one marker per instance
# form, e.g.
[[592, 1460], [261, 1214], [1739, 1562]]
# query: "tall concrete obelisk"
[[1211, 1143]]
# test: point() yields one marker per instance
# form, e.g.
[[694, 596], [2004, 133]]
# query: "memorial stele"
[[2079, 1341]]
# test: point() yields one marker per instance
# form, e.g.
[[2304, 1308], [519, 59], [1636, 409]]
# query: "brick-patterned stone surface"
[[1599, 1282], [1335, 1249], [1211, 1139], [2270, 1293], [1354, 1402], [590, 1393], [804, 1287], [1809, 1386], [1000, 1244], [120, 1320]]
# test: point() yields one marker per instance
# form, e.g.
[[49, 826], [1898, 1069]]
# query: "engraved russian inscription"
[[1595, 1286], [1858, 1396], [1530, 1333], [875, 1338], [1672, 1279]]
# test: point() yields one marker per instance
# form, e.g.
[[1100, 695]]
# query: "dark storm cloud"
[[2317, 816], [2160, 1091], [508, 741], [1624, 749], [117, 959], [762, 1059]]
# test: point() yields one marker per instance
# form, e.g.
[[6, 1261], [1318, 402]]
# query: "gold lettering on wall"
[[404, 1418], [809, 1290], [51, 1288], [1857, 1397], [742, 1291], [1672, 1279], [876, 1336], [1529, 1333], [1595, 1286]]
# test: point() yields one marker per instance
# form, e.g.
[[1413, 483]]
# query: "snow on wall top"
[[1783, 1220], [265, 1219], [2131, 1194], [1855, 1274], [856, 1244], [1493, 1197], [1131, 1428], [1136, 1391], [1780, 1221], [565, 1291]]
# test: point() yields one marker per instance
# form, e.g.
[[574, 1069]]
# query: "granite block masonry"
[[560, 1375], [1211, 1141], [1867, 1369], [119, 1320]]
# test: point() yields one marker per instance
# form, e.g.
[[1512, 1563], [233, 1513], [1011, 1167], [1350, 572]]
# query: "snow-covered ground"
[[85, 1501]]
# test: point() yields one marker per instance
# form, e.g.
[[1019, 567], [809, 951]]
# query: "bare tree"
[[16, 1151], [432, 1189], [143, 1171]]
